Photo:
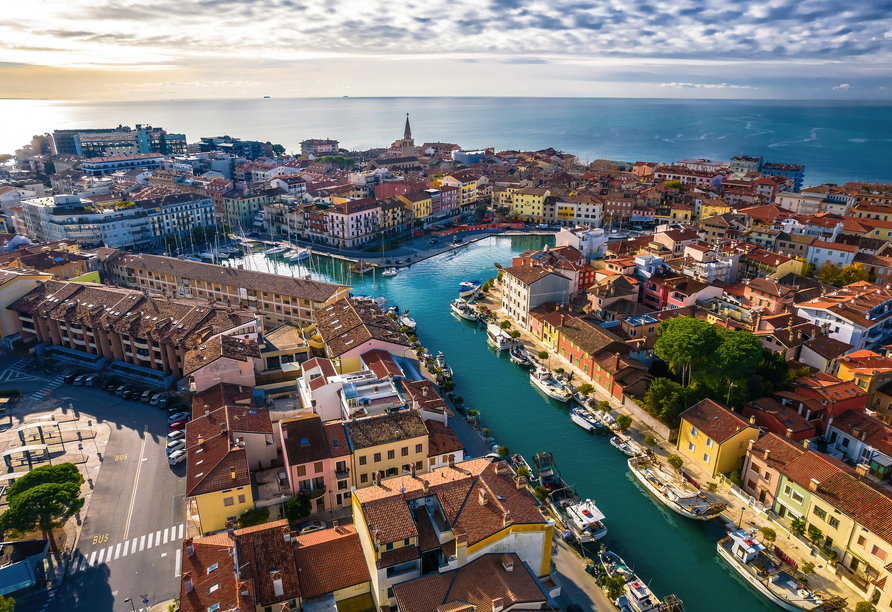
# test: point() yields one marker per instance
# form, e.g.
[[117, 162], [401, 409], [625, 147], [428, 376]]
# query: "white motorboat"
[[542, 378], [672, 491], [469, 288], [206, 255], [498, 337], [461, 308], [275, 250], [581, 518], [623, 446], [408, 322], [640, 596], [767, 574], [441, 364], [581, 399], [582, 418], [192, 258], [586, 521], [297, 254], [519, 356], [390, 272]]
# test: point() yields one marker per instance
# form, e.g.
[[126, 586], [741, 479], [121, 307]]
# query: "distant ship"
[[346, 96], [265, 97]]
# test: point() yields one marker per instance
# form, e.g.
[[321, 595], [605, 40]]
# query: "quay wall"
[[658, 426]]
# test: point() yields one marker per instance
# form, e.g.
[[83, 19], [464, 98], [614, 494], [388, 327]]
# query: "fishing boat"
[[672, 491], [461, 308], [623, 446], [768, 575], [275, 250], [640, 597], [613, 564], [519, 357], [408, 322], [582, 418], [441, 364], [582, 518], [390, 272], [469, 288], [498, 337], [542, 379]]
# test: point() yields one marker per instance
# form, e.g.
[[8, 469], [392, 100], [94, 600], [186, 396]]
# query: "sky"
[[164, 49]]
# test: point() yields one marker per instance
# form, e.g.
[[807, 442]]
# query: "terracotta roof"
[[303, 439], [220, 347], [424, 393], [784, 415], [336, 438], [781, 450], [381, 363], [214, 466], [384, 429], [865, 362], [866, 428], [264, 556], [714, 420], [219, 395], [213, 586], [528, 274], [329, 560], [348, 324], [396, 556], [827, 347], [427, 535], [441, 439]]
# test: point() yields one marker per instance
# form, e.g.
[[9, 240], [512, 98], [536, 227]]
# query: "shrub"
[[9, 393], [254, 516], [614, 586], [864, 606], [458, 400], [515, 334], [491, 281], [298, 507], [798, 526], [676, 462], [735, 478], [486, 432], [485, 288], [503, 452], [650, 441], [623, 422], [499, 276], [604, 406], [540, 493], [808, 568], [472, 412], [505, 324], [543, 355], [523, 471], [768, 534]]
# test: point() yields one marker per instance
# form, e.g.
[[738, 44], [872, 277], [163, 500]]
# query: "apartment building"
[[178, 214], [466, 182], [70, 217], [714, 437], [319, 146], [859, 314], [106, 165], [525, 287], [276, 299], [353, 223], [351, 328], [419, 202], [14, 283]]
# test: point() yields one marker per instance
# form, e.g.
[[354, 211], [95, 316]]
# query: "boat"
[[581, 399], [390, 272], [498, 337], [297, 254], [275, 250], [768, 575], [640, 597], [361, 267], [192, 258], [672, 491], [542, 378], [206, 255], [441, 364], [461, 308], [408, 322], [519, 356], [623, 446], [582, 418], [469, 288], [613, 564], [582, 518]]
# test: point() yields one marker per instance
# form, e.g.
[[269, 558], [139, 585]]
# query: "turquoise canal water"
[[672, 554]]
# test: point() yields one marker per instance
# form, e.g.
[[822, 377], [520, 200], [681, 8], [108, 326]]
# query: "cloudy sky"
[[134, 49]]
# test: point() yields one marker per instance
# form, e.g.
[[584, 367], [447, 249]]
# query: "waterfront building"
[[590, 241], [350, 328], [317, 147], [662, 291], [419, 202], [353, 223], [101, 166], [277, 299], [743, 164], [583, 343], [414, 525], [15, 283], [234, 147], [240, 208], [819, 199], [466, 181], [689, 177], [178, 214], [525, 287], [72, 217], [122, 140], [714, 437], [61, 265], [857, 314], [792, 171]]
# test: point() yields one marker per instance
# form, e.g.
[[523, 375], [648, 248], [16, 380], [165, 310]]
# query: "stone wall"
[[642, 415]]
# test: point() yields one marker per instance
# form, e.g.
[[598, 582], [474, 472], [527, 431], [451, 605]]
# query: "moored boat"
[[581, 399], [640, 596], [623, 446], [408, 322], [390, 272], [582, 518], [469, 288], [193, 258], [543, 380], [519, 357], [672, 491], [582, 418], [275, 250], [769, 577], [441, 364], [461, 308], [498, 337]]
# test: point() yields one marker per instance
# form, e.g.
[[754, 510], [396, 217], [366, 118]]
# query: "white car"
[[79, 381], [146, 395], [157, 398], [178, 416], [175, 445], [176, 435], [176, 457]]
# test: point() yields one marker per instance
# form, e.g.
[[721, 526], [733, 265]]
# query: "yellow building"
[[446, 519], [466, 181], [419, 202], [529, 203], [14, 283], [681, 213], [715, 438], [387, 445], [869, 370], [710, 207], [218, 482]]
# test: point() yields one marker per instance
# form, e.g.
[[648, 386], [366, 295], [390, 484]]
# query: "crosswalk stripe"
[[181, 531], [108, 555], [83, 564], [118, 550], [126, 546], [149, 545], [133, 545], [101, 555], [142, 543], [92, 558], [75, 563], [158, 538], [165, 537]]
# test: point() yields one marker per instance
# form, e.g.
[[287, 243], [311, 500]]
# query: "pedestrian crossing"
[[49, 387], [110, 554], [14, 373]]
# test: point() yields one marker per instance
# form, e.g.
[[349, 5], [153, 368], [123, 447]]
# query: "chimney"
[[616, 362], [286, 534], [813, 485], [562, 320], [425, 487], [767, 454], [482, 498], [753, 420], [498, 604], [190, 550], [334, 525], [749, 445], [508, 563], [424, 392], [805, 444], [187, 582], [207, 410], [276, 577], [861, 469], [232, 473], [506, 518], [789, 432], [461, 549], [412, 469]]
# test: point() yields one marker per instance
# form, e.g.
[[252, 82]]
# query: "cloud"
[[844, 86], [708, 86]]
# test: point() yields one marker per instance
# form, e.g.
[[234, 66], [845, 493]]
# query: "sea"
[[835, 141], [672, 554]]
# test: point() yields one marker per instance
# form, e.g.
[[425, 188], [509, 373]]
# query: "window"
[[391, 454], [706, 458], [751, 485], [214, 607], [767, 476], [317, 467], [212, 568], [228, 501], [879, 553], [754, 468], [861, 541], [213, 588], [691, 447], [709, 442], [418, 465], [833, 522], [377, 457], [362, 460], [363, 478], [405, 451], [418, 448], [820, 512], [301, 470], [388, 546], [406, 542], [694, 432]]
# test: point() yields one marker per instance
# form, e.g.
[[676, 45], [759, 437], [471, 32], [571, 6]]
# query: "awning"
[[857, 556], [882, 460]]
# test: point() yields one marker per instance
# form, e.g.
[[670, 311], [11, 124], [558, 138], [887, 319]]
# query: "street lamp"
[[131, 603], [740, 520]]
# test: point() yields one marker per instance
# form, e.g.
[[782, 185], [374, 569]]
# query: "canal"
[[672, 554]]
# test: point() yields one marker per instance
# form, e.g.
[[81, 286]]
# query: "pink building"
[[665, 292], [316, 459], [764, 460]]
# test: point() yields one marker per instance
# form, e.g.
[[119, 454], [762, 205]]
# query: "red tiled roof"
[[212, 464], [336, 437], [265, 556], [714, 420], [329, 560], [213, 552]]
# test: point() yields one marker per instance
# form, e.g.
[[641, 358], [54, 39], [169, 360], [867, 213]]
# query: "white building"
[[101, 166], [525, 287], [72, 218], [590, 241], [179, 214], [353, 223], [859, 314], [821, 252]]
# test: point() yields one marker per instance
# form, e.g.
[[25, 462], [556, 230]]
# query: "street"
[[134, 525]]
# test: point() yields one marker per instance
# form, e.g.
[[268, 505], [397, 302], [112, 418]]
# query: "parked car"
[[311, 526], [111, 383], [127, 393], [147, 395], [164, 402], [176, 425], [176, 435], [79, 381], [175, 445], [178, 416], [92, 380], [157, 398], [176, 457], [120, 390], [432, 241], [179, 408], [70, 378]]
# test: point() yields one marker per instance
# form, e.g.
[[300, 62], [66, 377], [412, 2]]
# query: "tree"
[[734, 477], [7, 604], [674, 184], [815, 534], [543, 355], [864, 606], [515, 334], [623, 422], [614, 586], [506, 324], [277, 148], [686, 342], [254, 516], [650, 442], [739, 353], [503, 452], [585, 389], [768, 534], [58, 474], [298, 507], [808, 568], [797, 526], [499, 276], [44, 506], [541, 493], [852, 273], [604, 406], [676, 462], [485, 288], [523, 471], [491, 281]]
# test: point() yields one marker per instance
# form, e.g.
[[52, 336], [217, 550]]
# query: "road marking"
[[142, 543], [165, 537], [181, 531], [136, 481], [101, 554], [133, 545], [126, 546], [176, 568], [108, 556], [83, 564], [118, 550], [158, 538], [150, 541]]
